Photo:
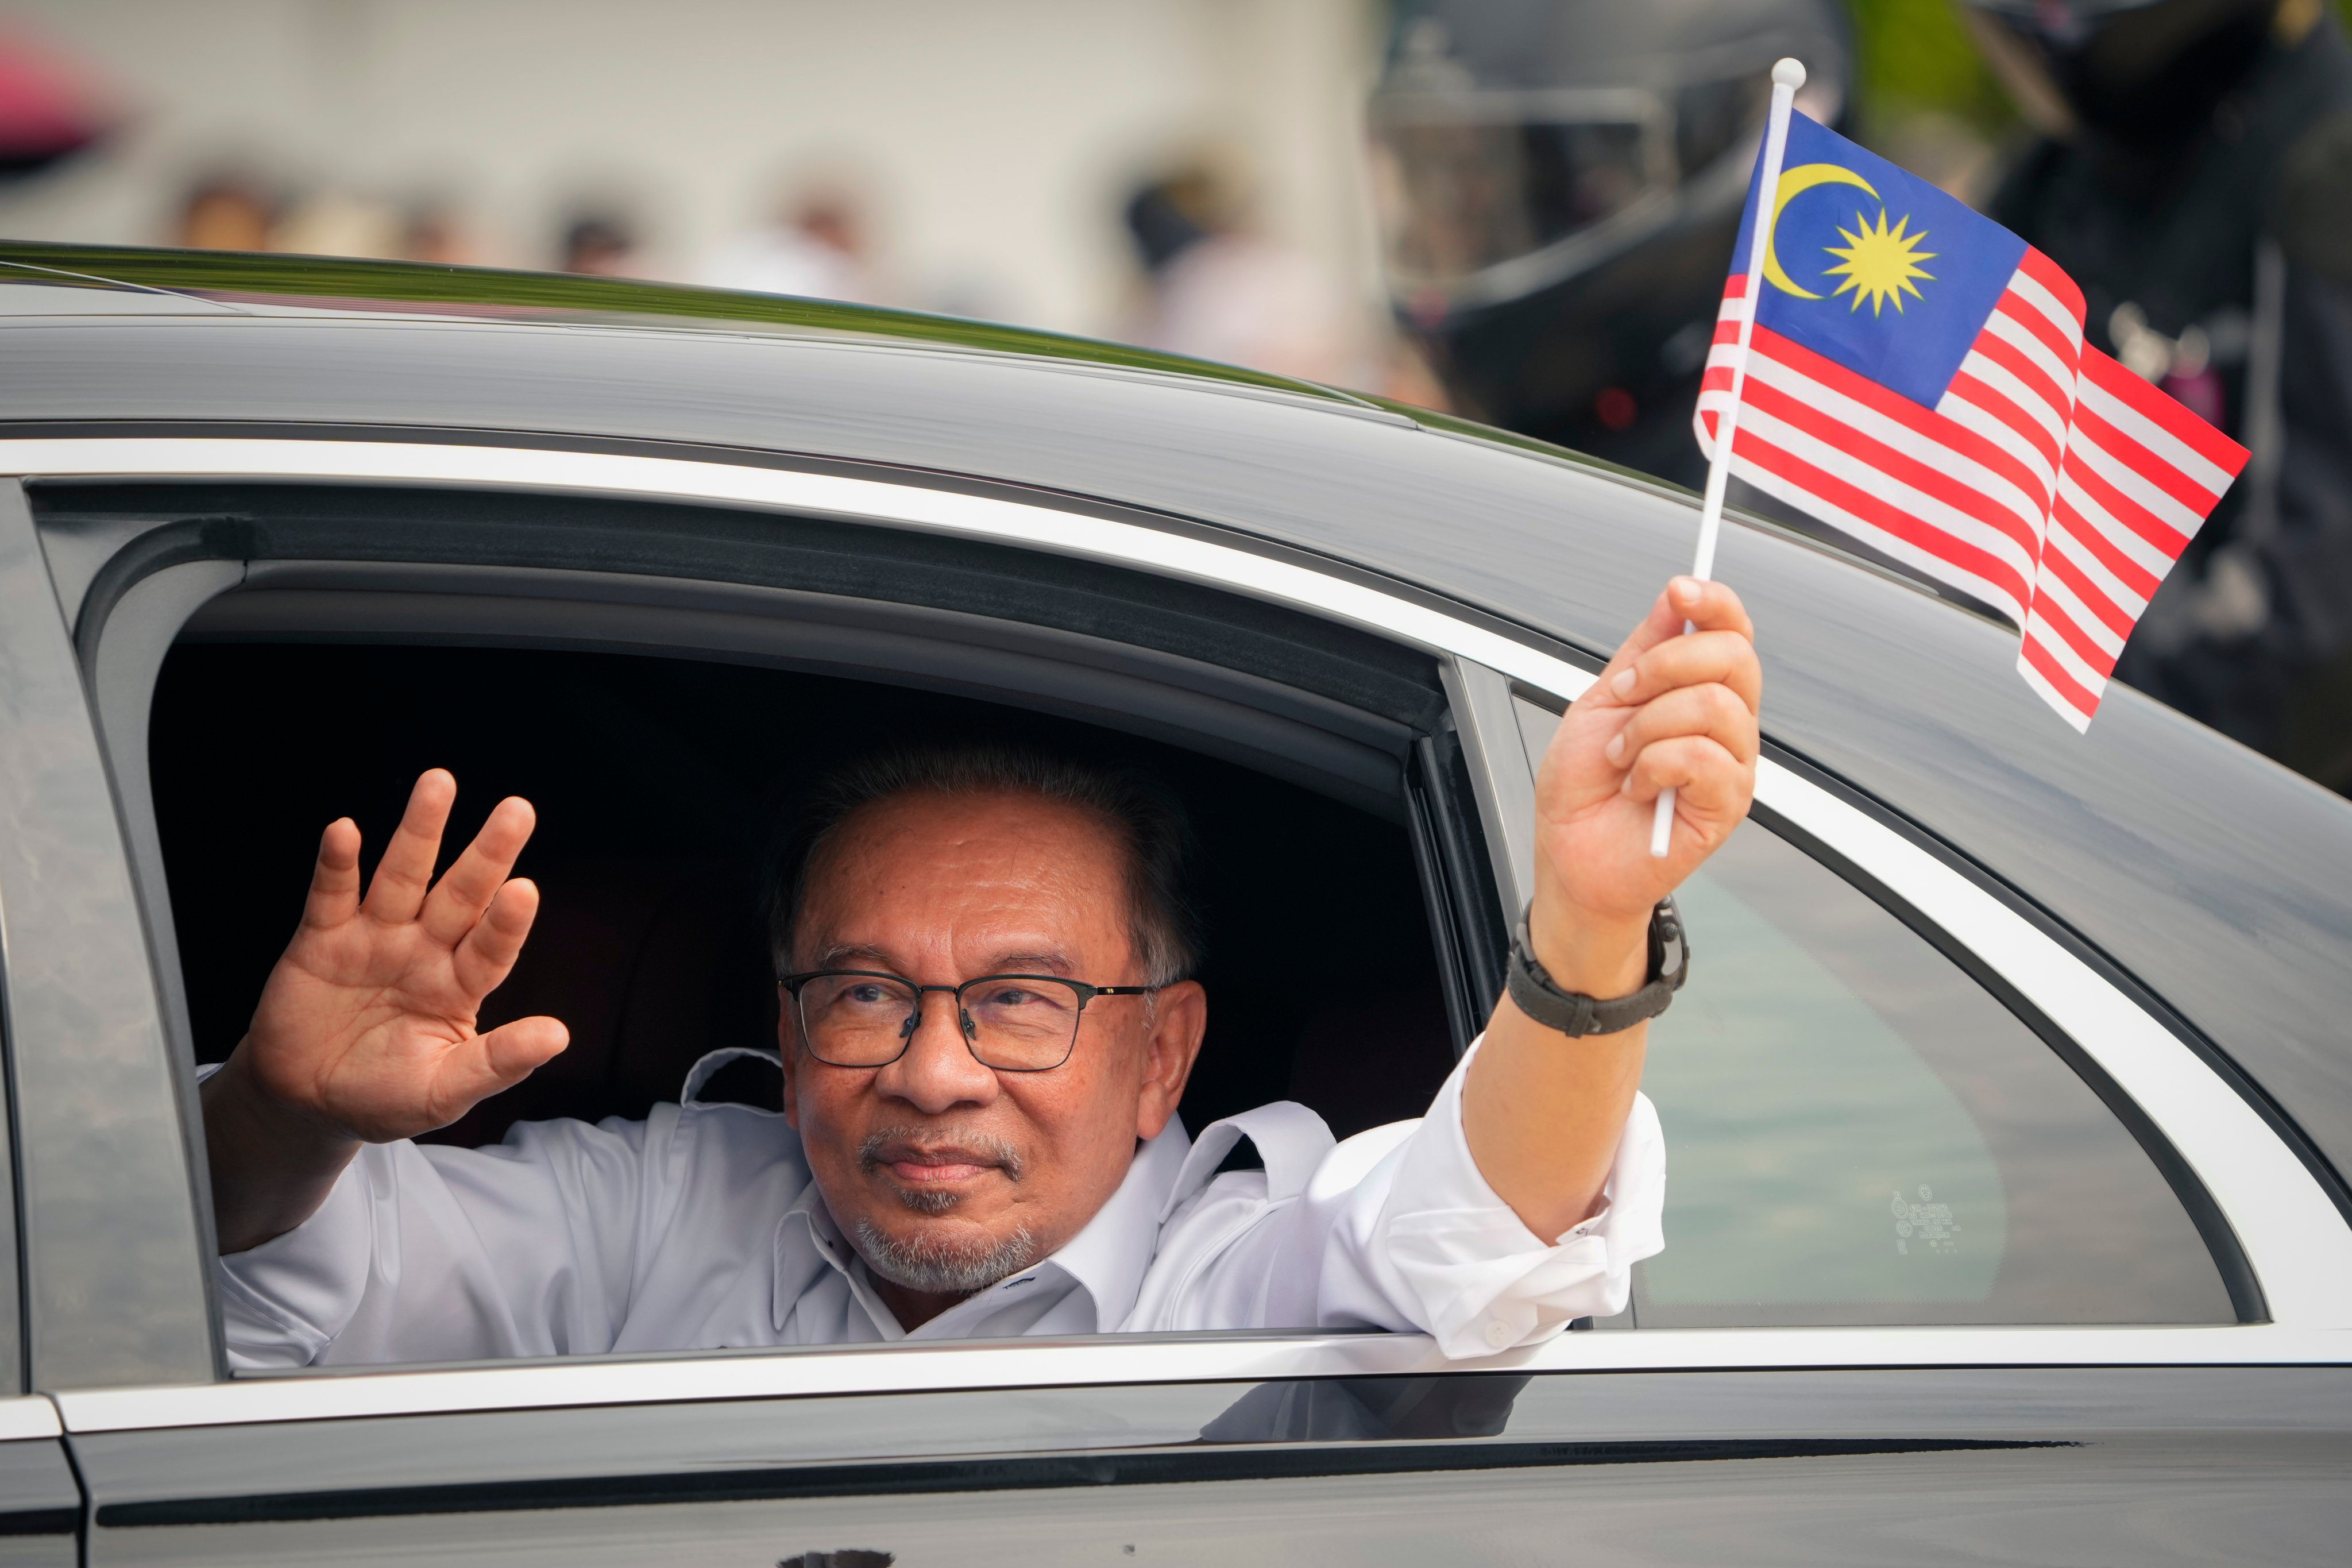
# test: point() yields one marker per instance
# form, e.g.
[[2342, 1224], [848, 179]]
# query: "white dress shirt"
[[700, 1228]]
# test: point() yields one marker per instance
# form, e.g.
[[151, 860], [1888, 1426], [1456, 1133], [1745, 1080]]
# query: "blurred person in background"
[[1216, 290], [434, 231], [1559, 183], [225, 211], [335, 221], [816, 247], [2195, 177], [598, 242]]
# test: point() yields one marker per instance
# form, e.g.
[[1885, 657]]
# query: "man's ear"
[[1179, 1021], [788, 1048]]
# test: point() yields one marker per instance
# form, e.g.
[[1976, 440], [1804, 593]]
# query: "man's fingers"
[[1709, 777], [1709, 606], [1706, 606], [488, 952], [1714, 711], [1703, 658], [1659, 656], [406, 869], [335, 895], [487, 1063], [465, 889], [513, 1052]]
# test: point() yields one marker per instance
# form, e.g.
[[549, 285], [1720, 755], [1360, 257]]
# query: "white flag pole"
[[1788, 75]]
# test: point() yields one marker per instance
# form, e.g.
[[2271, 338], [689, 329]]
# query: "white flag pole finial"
[[1788, 75]]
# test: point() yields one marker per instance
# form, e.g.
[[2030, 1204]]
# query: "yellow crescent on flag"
[[1795, 182]]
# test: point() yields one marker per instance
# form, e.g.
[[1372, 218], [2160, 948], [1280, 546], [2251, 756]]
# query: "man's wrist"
[[1603, 958], [256, 1122], [272, 1165]]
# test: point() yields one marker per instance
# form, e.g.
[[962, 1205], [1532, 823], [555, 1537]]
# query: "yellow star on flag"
[[1880, 263]]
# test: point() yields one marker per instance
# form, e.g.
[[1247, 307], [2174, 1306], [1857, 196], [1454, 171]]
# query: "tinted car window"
[[1858, 1132]]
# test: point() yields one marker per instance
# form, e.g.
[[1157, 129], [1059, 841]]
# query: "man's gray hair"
[[1144, 814]]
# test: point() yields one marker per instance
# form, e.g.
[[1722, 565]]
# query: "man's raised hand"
[[366, 1028], [1669, 709], [1542, 1121], [365, 1032]]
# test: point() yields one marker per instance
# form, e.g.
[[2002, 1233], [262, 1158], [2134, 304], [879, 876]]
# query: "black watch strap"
[[1575, 1013]]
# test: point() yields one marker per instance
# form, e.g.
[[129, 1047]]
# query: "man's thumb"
[[511, 1052]]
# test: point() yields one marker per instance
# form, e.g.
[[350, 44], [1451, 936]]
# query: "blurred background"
[[1520, 211], [1030, 160], [938, 154]]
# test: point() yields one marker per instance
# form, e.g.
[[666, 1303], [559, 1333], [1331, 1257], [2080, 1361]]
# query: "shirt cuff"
[[1483, 1280]]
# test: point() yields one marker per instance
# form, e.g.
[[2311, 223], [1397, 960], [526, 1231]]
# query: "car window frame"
[[131, 587], [2293, 1236]]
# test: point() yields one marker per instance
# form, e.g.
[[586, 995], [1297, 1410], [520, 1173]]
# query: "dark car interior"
[[657, 783]]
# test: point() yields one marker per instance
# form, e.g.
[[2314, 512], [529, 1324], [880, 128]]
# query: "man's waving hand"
[[366, 1030]]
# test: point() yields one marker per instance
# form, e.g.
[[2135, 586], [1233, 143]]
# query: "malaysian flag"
[[1916, 378]]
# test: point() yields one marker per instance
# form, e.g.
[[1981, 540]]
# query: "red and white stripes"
[[2142, 474], [2047, 482]]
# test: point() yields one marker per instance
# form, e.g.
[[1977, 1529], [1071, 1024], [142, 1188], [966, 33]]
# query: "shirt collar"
[[808, 1216], [1106, 1258], [1109, 1256]]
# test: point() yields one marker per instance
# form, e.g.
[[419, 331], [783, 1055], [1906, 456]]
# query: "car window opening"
[[656, 784]]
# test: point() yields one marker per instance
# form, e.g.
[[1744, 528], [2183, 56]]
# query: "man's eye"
[[867, 995], [1037, 999]]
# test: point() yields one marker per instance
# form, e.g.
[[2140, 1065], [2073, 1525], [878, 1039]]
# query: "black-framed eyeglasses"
[[1013, 1023]]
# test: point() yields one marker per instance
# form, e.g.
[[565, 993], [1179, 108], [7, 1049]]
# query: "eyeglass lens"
[[1019, 1023]]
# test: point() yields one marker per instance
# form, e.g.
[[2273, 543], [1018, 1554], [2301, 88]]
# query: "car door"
[[1926, 1465], [1791, 1393]]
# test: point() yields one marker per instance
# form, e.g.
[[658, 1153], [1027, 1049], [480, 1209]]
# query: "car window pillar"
[[1504, 786], [115, 1276]]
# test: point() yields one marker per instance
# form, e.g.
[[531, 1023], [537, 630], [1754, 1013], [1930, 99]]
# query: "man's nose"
[[938, 1071]]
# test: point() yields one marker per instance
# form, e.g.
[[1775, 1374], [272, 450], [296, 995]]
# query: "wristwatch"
[[1573, 1013]]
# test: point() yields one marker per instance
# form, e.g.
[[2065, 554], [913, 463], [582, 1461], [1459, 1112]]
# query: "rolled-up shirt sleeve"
[[1478, 1278], [1397, 1229]]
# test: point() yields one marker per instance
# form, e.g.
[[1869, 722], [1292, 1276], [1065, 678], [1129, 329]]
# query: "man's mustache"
[[888, 1145]]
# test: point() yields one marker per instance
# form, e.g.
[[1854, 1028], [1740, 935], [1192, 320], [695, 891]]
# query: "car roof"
[[113, 280], [2219, 880]]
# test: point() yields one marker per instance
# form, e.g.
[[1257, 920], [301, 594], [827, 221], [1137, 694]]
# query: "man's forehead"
[[1006, 825], [1022, 870]]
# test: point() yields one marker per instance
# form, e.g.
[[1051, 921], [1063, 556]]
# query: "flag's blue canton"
[[1903, 276]]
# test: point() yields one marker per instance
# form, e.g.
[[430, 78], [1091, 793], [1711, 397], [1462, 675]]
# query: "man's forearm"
[[1543, 1113], [271, 1167], [1676, 709]]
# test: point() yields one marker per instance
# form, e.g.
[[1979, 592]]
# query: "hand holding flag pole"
[[1788, 75]]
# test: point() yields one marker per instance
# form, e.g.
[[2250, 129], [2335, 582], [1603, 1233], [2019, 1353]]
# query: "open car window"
[[661, 723], [658, 782]]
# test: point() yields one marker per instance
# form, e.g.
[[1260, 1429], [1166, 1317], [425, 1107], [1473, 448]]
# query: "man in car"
[[985, 1030]]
